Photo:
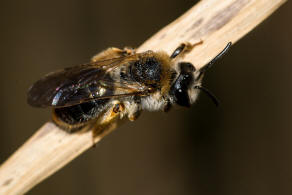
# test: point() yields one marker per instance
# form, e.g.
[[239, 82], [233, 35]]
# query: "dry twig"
[[214, 21]]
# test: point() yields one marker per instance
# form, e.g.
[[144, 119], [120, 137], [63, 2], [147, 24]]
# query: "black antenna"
[[204, 68], [209, 93]]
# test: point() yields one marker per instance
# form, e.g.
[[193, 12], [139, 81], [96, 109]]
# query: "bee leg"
[[133, 110], [134, 116], [118, 107], [97, 130], [183, 49], [112, 52], [107, 121], [129, 50], [167, 106]]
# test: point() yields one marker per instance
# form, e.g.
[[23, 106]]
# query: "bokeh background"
[[242, 147]]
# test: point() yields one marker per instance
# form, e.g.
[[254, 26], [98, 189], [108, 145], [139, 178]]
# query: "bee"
[[121, 80]]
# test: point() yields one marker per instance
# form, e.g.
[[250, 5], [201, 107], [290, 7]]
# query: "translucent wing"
[[83, 83]]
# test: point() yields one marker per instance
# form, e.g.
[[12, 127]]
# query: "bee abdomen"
[[78, 115]]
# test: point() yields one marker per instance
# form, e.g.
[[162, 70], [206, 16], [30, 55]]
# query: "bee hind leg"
[[107, 122]]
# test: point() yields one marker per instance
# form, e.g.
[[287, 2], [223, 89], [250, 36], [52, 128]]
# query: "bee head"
[[185, 87], [182, 88]]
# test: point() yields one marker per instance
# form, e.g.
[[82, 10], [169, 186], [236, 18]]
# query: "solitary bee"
[[122, 80]]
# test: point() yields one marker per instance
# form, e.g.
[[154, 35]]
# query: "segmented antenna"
[[224, 51], [209, 93]]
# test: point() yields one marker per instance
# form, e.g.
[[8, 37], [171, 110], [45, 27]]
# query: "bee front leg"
[[167, 106], [183, 49], [112, 52]]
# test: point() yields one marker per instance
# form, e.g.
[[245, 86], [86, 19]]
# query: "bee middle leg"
[[112, 52], [183, 49]]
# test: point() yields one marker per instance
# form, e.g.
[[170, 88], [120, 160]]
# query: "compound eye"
[[182, 98], [180, 89]]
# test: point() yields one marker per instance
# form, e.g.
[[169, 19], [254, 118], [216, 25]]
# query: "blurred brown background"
[[242, 147]]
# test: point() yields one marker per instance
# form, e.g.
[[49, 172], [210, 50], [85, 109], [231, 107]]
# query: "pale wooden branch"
[[216, 22]]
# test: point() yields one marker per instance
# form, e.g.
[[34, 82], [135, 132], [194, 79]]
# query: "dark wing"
[[81, 83]]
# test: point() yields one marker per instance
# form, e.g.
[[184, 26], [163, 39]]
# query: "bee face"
[[181, 87], [185, 88], [121, 80]]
